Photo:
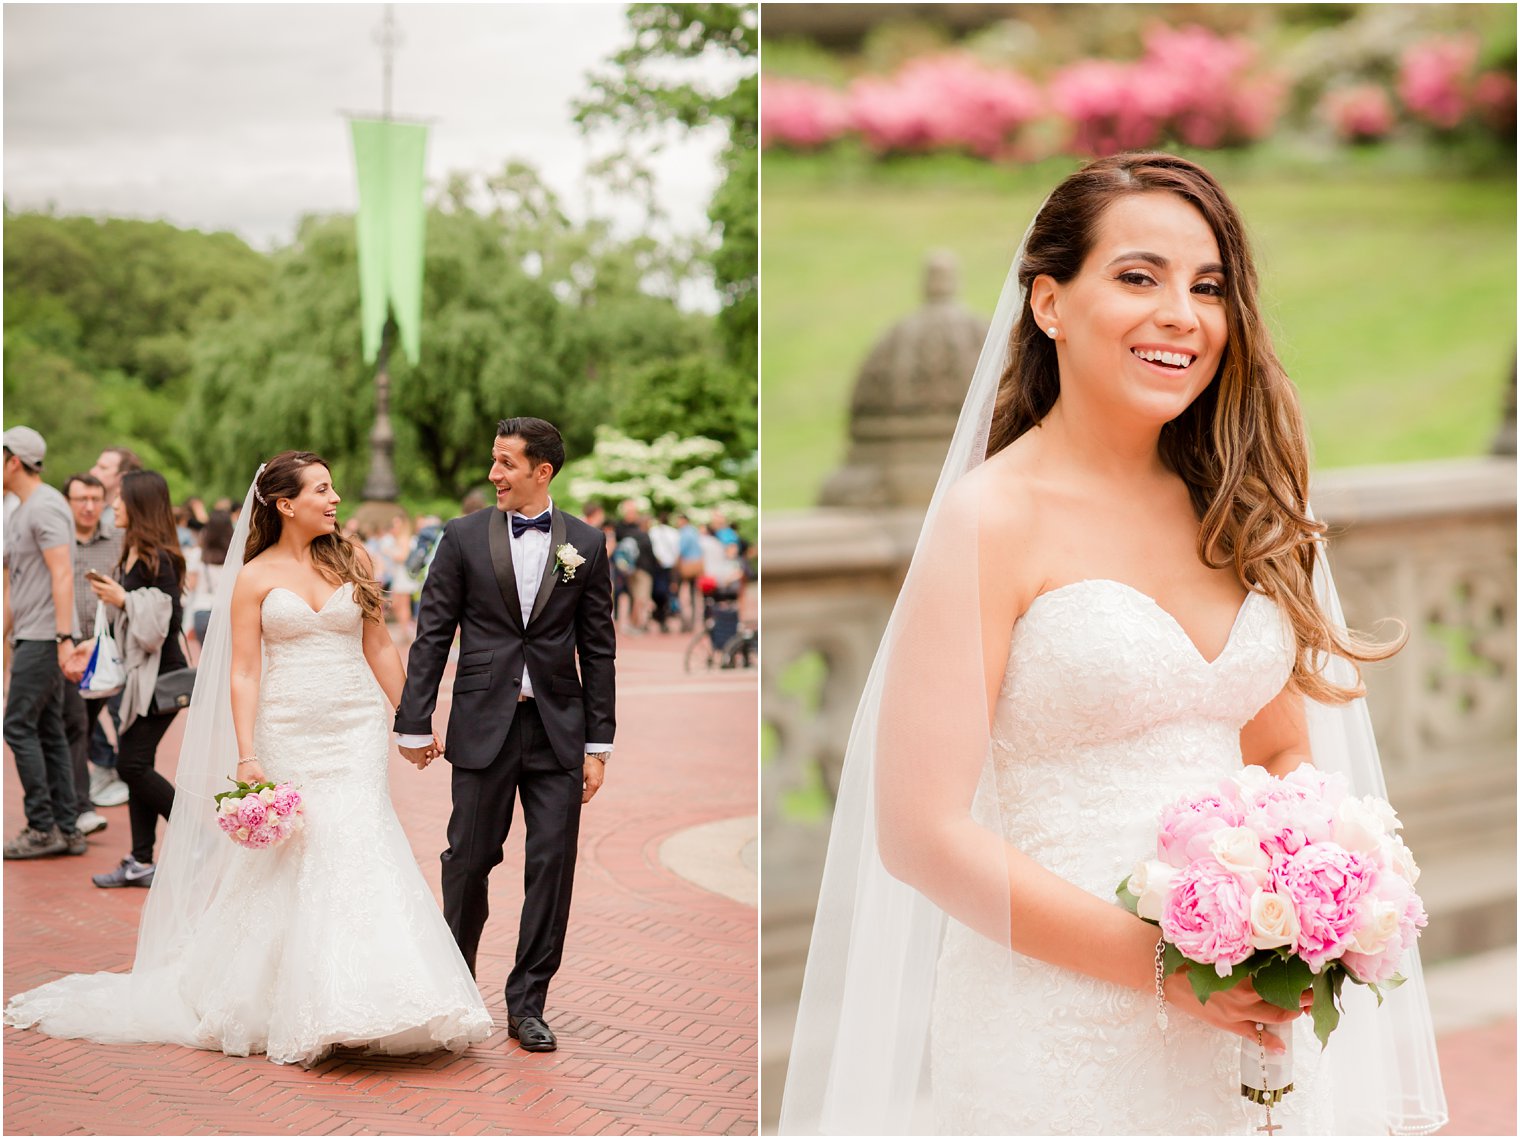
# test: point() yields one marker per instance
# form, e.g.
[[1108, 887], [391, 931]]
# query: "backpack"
[[422, 551], [625, 555]]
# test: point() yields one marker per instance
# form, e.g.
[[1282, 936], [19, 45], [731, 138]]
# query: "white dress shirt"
[[530, 553]]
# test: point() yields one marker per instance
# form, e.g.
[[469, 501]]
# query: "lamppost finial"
[[388, 38]]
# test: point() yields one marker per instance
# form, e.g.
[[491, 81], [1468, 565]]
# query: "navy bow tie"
[[521, 524]]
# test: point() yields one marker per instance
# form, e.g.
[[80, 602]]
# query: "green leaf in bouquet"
[[1172, 960], [1394, 982], [1377, 992], [1126, 899], [1206, 982], [1282, 980], [1326, 1015]]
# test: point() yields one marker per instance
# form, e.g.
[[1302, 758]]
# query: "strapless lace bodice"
[[1109, 705], [317, 693], [297, 634], [1107, 713]]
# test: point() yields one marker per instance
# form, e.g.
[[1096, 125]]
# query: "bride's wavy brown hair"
[[334, 555], [1240, 446]]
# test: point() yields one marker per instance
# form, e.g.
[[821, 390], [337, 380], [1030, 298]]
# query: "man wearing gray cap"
[[39, 623]]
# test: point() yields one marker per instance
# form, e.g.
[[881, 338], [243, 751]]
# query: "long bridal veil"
[[919, 753], [145, 1004]]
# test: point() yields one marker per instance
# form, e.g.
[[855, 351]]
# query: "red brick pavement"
[[1478, 1073], [655, 1005]]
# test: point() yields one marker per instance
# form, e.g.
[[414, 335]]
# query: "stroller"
[[722, 641]]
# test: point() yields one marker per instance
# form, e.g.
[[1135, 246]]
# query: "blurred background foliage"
[[1371, 149], [205, 355]]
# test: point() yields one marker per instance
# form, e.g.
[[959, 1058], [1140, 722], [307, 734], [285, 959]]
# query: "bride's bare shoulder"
[[999, 498], [256, 577], [1000, 507]]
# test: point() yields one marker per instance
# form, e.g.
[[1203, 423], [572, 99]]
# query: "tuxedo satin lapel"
[[501, 562], [551, 570]]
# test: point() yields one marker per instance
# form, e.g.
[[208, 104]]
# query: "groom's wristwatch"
[[601, 755]]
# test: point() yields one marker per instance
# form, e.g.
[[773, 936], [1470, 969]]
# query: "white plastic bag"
[[104, 675]]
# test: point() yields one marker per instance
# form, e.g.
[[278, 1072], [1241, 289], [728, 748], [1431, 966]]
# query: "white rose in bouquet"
[[1151, 883], [1360, 826], [1401, 860], [1381, 927], [1239, 851], [1273, 922]]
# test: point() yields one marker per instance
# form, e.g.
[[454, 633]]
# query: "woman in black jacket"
[[150, 559]]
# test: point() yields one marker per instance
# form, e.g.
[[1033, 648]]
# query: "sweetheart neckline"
[[307, 604], [1229, 639]]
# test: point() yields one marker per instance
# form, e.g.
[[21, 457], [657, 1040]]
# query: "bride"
[[331, 938], [1118, 597]]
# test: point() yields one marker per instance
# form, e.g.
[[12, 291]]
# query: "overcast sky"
[[226, 116]]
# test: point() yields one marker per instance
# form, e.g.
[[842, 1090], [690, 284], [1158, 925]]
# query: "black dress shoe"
[[532, 1033]]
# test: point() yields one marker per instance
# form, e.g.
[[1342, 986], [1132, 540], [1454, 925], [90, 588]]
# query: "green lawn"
[[1390, 292]]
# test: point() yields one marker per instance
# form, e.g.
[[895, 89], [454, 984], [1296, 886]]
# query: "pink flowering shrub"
[[1493, 98], [1435, 77], [1109, 106], [944, 102], [1213, 100], [1190, 84], [802, 115], [1363, 113]]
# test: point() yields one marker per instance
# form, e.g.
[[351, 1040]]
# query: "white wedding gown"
[[331, 938], [1107, 714]]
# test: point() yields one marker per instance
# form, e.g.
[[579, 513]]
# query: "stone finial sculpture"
[[907, 396]]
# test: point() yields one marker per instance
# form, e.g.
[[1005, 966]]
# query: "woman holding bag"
[[142, 602]]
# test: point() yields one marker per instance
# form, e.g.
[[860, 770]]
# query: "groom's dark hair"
[[541, 440]]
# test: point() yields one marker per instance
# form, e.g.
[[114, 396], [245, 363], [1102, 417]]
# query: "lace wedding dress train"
[[330, 939], [1107, 715]]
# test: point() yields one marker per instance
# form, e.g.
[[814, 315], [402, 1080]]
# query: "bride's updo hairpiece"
[[1241, 447], [337, 558]]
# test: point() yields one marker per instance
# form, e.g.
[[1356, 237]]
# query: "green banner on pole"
[[389, 159]]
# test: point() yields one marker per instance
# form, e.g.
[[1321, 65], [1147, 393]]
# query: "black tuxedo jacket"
[[472, 586]]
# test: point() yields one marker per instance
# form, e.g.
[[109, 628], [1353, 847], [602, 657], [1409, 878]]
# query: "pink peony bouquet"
[[1290, 881], [259, 815]]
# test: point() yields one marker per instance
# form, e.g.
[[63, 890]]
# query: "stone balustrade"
[[1430, 543]]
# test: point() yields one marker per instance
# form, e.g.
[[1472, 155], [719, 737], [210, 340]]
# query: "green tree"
[[701, 393], [99, 317], [524, 312], [648, 86]]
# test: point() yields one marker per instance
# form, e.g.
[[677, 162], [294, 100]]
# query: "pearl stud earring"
[[1052, 331]]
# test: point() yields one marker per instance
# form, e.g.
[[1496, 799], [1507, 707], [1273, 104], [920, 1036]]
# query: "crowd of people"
[[106, 553], [97, 564], [663, 564]]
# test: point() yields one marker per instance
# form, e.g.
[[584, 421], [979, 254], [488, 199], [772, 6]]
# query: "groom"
[[530, 591]]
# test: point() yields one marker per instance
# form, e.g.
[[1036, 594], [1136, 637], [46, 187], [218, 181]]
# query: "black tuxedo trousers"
[[526, 768]]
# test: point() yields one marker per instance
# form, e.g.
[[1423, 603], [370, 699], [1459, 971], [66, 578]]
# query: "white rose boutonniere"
[[568, 559]]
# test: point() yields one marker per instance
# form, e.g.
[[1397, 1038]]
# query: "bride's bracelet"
[[247, 759], [1160, 979]]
